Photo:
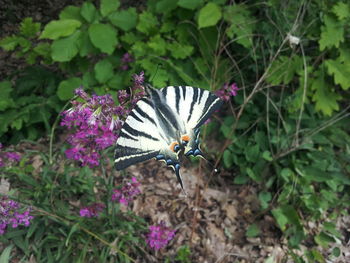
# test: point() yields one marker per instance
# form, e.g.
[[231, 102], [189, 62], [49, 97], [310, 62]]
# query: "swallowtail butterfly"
[[162, 124]]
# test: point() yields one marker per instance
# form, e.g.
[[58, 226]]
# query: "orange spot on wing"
[[185, 138], [172, 145]]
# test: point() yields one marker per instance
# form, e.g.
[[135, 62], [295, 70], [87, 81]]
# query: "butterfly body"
[[162, 124]]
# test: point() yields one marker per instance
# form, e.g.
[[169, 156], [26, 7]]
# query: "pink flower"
[[227, 91], [127, 192], [92, 210], [159, 236]]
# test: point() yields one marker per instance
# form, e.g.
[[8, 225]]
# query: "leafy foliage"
[[289, 135]]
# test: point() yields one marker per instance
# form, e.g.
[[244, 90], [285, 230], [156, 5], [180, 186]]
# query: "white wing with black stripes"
[[162, 124]]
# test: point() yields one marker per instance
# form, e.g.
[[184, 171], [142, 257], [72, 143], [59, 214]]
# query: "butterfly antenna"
[[211, 164]]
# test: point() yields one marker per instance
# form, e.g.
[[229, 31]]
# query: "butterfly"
[[164, 123]]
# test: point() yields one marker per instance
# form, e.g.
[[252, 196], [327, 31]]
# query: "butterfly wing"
[[193, 106], [140, 138]]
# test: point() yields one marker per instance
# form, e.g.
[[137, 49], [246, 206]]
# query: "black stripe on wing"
[[194, 101], [126, 156], [136, 133], [212, 104]]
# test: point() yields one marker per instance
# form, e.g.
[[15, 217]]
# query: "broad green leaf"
[[89, 79], [60, 28], [324, 97], [252, 153], [332, 33], [253, 231], [253, 175], [71, 12], [340, 71], [158, 45], [84, 44], [179, 51], [341, 10], [165, 6], [242, 24], [125, 19], [109, 6], [267, 156], [209, 15], [104, 37], [324, 239], [65, 49], [89, 12], [6, 254], [190, 4], [103, 71], [147, 22], [28, 28], [66, 88], [265, 198], [281, 219], [227, 158]]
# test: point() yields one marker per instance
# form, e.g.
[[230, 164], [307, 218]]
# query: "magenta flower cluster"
[[125, 61], [13, 215], [95, 122], [92, 210], [227, 91], [159, 236], [8, 157], [127, 192]]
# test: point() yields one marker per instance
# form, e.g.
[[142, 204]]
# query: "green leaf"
[[253, 175], [265, 198], [5, 99], [267, 156], [242, 24], [252, 153], [6, 254], [103, 71], [190, 4], [125, 19], [89, 12], [281, 219], [180, 51], [165, 6], [60, 28], [332, 33], [108, 6], [10, 43], [324, 239], [84, 44], [325, 98], [66, 88], [66, 48], [283, 70], [253, 231], [209, 15], [227, 158], [104, 37], [340, 71], [71, 12], [28, 28], [158, 45], [341, 10], [147, 23]]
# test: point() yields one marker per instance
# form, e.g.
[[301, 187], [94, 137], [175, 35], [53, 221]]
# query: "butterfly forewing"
[[140, 138]]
